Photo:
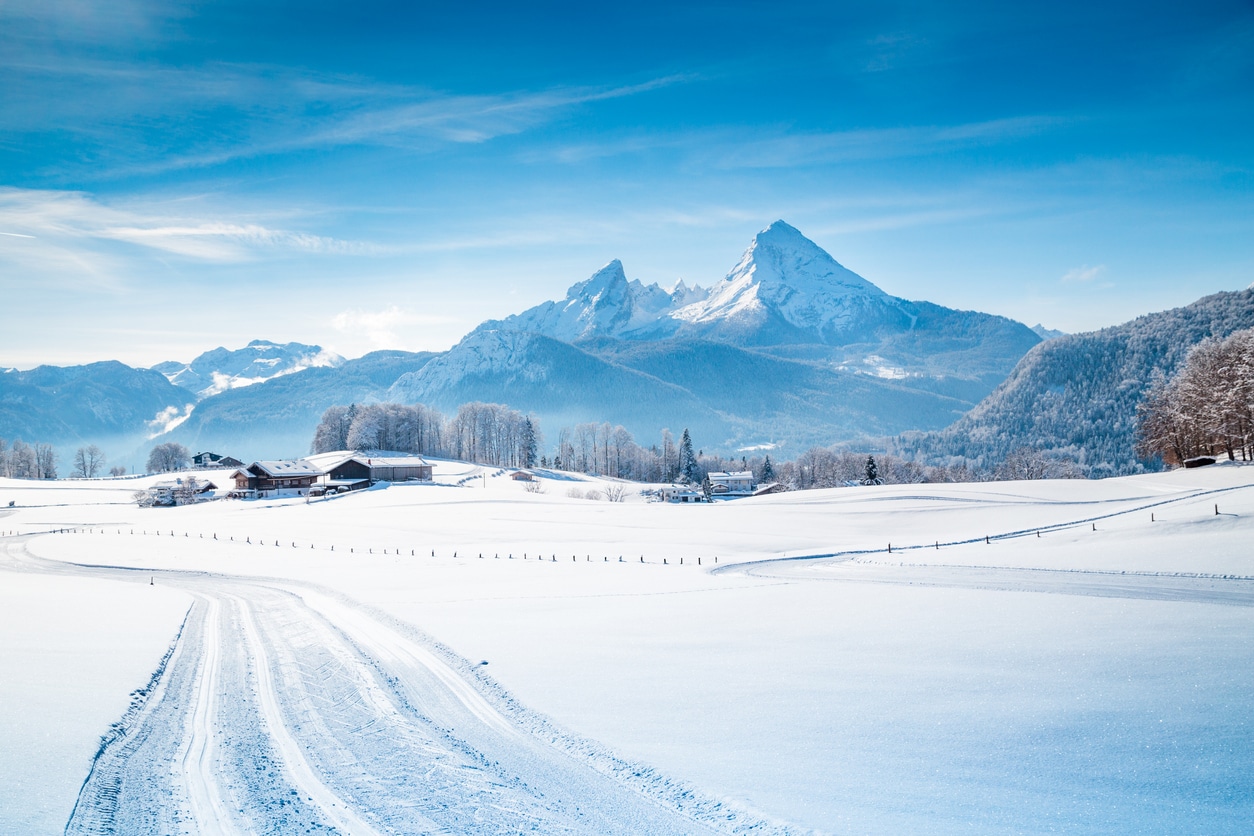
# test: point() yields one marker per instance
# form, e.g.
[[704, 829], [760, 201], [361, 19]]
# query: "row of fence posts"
[[588, 558], [352, 549], [988, 540]]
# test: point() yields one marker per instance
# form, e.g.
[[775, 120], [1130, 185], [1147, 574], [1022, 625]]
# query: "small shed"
[[523, 476]]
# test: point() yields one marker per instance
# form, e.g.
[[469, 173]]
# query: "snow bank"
[[73, 649]]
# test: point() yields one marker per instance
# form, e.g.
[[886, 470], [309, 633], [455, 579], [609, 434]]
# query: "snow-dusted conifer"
[[688, 467], [872, 474]]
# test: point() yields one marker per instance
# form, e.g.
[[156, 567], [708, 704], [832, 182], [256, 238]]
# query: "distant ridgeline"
[[1076, 396], [789, 351]]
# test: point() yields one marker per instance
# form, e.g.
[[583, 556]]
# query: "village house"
[[275, 478], [327, 473], [344, 471], [179, 491], [682, 494], [213, 460], [735, 483]]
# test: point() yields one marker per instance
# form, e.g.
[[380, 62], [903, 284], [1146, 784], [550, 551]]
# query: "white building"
[[735, 483], [682, 493]]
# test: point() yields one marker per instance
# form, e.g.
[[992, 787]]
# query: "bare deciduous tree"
[[88, 461], [1207, 408], [45, 462], [22, 463], [168, 457]]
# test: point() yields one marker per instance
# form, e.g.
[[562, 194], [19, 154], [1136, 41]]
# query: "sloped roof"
[[329, 461], [288, 469], [392, 461]]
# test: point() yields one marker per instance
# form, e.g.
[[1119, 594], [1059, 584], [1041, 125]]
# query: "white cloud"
[[70, 225], [169, 418], [260, 110], [1083, 273], [382, 328], [738, 148]]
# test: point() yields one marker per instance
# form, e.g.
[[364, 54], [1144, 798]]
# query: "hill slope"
[[108, 403], [277, 418], [1077, 394]]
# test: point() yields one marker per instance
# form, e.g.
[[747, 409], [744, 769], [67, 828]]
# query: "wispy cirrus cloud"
[[131, 118], [762, 147], [1083, 274], [72, 234]]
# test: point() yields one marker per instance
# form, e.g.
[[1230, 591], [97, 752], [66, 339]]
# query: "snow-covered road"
[[847, 688], [284, 708]]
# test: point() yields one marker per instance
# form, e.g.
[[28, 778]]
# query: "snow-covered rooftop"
[[290, 469]]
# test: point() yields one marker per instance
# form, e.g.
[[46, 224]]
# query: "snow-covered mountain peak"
[[608, 281], [781, 257], [787, 276], [605, 304], [685, 295]]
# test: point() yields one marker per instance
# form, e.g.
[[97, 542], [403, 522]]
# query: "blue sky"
[[175, 177]]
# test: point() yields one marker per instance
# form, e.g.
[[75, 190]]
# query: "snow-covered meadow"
[[1085, 669]]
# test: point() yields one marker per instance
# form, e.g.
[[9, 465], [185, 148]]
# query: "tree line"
[[27, 461], [39, 461], [1206, 408], [487, 433], [496, 435]]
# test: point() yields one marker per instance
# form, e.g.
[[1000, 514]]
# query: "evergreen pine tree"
[[528, 444], [872, 472], [687, 459], [768, 470]]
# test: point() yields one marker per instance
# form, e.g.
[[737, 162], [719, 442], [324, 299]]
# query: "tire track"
[[331, 806], [288, 708], [198, 758]]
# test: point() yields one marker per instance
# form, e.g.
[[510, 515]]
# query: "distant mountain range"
[[1076, 395], [788, 298], [107, 403], [789, 350], [218, 370]]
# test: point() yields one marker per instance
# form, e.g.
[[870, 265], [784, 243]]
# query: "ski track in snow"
[[283, 708], [197, 758]]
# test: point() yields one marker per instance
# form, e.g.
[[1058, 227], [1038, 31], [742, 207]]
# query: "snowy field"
[[1086, 669]]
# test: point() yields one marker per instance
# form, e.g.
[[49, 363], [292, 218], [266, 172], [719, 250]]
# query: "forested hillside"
[[1076, 396]]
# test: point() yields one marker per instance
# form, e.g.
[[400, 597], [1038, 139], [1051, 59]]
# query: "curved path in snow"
[[285, 708]]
